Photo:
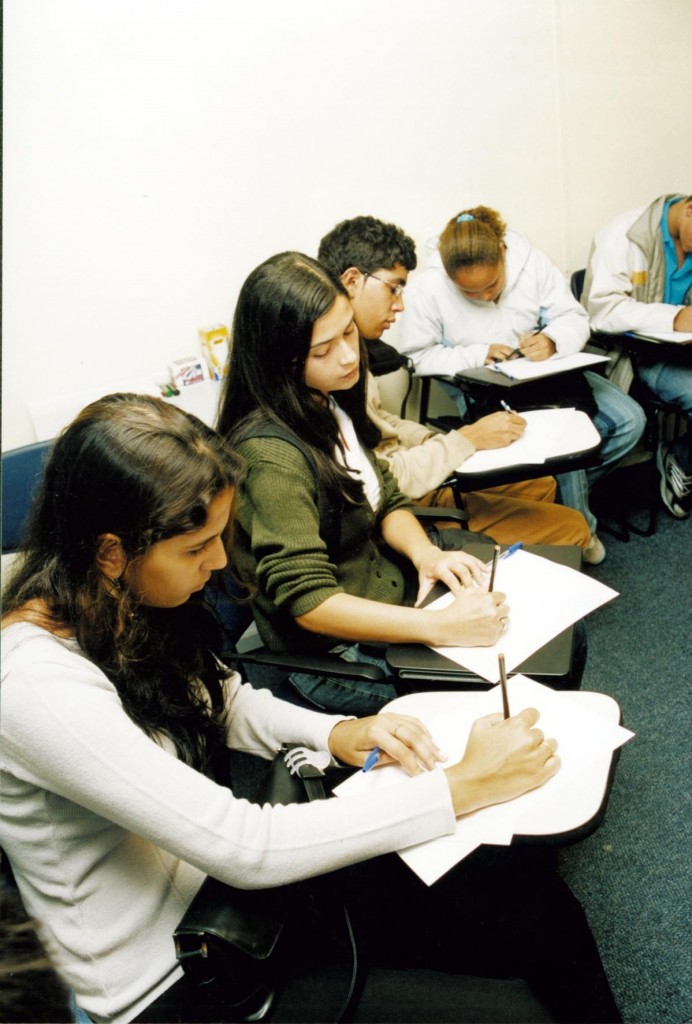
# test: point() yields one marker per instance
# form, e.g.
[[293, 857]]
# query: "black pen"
[[496, 556], [503, 685]]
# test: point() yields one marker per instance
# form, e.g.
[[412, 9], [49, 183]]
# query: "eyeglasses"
[[395, 289]]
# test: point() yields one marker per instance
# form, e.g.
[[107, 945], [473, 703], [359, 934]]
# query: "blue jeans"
[[346, 696], [619, 420], [673, 384]]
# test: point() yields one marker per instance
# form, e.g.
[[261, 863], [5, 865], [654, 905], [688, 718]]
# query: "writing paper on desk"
[[586, 741], [544, 598], [545, 429], [532, 369], [681, 337]]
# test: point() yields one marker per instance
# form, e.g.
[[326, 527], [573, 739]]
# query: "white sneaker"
[[676, 486], [594, 553]]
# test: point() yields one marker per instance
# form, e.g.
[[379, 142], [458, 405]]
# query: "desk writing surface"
[[486, 377], [535, 369], [551, 662], [587, 732], [549, 434], [669, 337]]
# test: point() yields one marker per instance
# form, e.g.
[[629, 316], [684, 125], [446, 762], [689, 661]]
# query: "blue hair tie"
[[464, 216]]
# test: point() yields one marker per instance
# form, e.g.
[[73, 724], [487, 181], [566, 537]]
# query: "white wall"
[[157, 150]]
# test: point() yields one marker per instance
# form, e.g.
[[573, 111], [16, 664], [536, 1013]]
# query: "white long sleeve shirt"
[[443, 332], [617, 275], [110, 835]]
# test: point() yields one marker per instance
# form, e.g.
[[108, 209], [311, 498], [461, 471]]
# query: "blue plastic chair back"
[[22, 472]]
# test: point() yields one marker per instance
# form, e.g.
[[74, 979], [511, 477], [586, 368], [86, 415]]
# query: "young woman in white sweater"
[[114, 706]]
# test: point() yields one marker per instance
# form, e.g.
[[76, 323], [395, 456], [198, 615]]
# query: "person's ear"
[[350, 279], [110, 556]]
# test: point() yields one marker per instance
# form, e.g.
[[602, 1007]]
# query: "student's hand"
[[537, 346], [683, 319], [454, 568], [494, 431], [401, 739], [502, 760], [475, 618], [498, 354]]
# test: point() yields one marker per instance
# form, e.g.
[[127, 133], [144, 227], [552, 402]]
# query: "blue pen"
[[510, 551], [506, 407], [372, 759]]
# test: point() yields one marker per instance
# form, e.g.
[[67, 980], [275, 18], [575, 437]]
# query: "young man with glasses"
[[373, 260]]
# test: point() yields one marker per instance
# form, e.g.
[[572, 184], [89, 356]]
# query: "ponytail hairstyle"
[[142, 469], [277, 308], [473, 237]]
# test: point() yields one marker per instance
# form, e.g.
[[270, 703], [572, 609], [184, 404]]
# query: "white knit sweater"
[[110, 835]]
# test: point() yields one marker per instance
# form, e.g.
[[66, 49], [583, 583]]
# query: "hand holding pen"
[[536, 346], [387, 738]]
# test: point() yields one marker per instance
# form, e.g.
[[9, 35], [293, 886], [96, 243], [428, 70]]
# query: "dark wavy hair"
[[142, 469], [368, 244], [277, 308]]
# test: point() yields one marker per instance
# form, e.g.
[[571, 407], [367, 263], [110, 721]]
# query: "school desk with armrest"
[[583, 802], [578, 449], [556, 664]]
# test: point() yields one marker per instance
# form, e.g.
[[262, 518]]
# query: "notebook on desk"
[[513, 377], [535, 369]]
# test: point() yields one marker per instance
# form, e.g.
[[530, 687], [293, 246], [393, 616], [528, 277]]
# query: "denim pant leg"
[[673, 384], [79, 1015], [619, 420], [457, 396], [346, 696], [573, 492]]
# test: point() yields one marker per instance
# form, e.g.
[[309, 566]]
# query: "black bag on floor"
[[230, 937]]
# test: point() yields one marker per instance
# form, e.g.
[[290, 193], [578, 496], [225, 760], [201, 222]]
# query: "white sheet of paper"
[[530, 369], [677, 336], [586, 737], [543, 597], [547, 431]]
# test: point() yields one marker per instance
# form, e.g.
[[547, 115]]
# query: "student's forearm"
[[359, 619], [404, 534]]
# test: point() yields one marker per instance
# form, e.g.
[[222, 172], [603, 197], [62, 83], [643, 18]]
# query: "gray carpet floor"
[[633, 874]]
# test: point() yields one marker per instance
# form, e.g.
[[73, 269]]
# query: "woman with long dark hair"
[[115, 707], [338, 557]]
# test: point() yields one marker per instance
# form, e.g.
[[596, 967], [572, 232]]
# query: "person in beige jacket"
[[421, 460], [373, 260]]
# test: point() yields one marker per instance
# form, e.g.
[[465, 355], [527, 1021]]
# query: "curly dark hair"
[[368, 244], [143, 470]]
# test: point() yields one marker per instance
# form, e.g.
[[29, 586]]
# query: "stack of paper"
[[586, 741]]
